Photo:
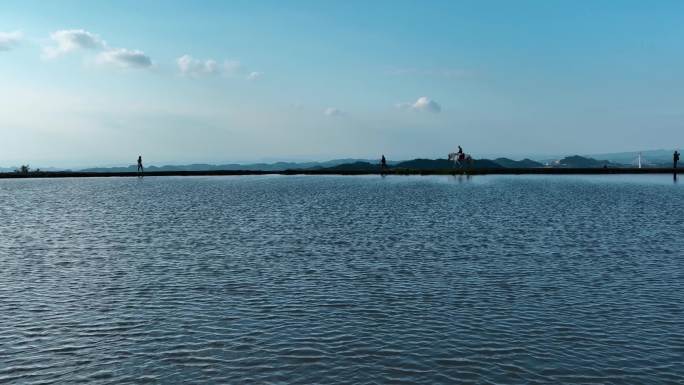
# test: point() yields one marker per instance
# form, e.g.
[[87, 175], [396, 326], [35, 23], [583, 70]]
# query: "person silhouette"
[[383, 162], [675, 159], [141, 170]]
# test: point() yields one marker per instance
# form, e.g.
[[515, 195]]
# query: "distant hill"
[[655, 158], [442, 164], [203, 167], [415, 164], [277, 166], [577, 161], [648, 157], [356, 166], [510, 163], [425, 164], [50, 169]]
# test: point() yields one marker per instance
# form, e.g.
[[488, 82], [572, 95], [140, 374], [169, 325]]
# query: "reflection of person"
[[675, 159], [140, 166], [383, 162]]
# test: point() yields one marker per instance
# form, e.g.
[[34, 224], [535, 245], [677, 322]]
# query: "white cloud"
[[425, 104], [254, 75], [73, 40], [190, 66], [10, 39], [422, 104], [332, 111], [70, 40], [124, 58]]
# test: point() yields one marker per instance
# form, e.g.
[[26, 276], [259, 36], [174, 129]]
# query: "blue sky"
[[97, 83]]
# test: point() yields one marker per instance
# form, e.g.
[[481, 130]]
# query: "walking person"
[[141, 170], [675, 159]]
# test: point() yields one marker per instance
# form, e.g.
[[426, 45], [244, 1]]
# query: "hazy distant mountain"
[[194, 167], [50, 169], [355, 166], [510, 163], [652, 158], [277, 166], [577, 161], [648, 157]]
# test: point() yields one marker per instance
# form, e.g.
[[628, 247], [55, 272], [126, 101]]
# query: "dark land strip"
[[393, 171]]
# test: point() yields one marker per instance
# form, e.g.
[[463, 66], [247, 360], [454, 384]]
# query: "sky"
[[93, 83]]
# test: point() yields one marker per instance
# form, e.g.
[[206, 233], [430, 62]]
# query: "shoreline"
[[483, 171]]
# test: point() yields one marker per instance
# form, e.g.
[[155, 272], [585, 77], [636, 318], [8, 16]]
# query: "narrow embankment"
[[478, 171]]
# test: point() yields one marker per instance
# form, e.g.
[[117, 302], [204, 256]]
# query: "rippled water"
[[271, 279]]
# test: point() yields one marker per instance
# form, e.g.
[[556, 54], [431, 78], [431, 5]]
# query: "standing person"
[[140, 165], [383, 162], [675, 159]]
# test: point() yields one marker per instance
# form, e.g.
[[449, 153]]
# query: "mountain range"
[[651, 158], [648, 157], [276, 166]]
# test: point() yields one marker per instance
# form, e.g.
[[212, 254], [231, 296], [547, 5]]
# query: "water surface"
[[325, 279]]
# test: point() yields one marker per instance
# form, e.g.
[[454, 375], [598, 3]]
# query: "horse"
[[461, 159]]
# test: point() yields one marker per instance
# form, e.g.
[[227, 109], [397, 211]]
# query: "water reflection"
[[460, 178]]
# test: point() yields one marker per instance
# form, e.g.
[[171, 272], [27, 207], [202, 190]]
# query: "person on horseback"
[[461, 155]]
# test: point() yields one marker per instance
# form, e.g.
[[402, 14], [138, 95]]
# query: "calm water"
[[342, 280]]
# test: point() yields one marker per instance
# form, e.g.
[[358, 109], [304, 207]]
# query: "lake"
[[339, 280]]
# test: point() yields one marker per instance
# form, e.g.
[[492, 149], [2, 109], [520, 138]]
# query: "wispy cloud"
[[333, 112], [422, 104], [125, 58], [9, 40], [254, 75], [190, 66], [71, 40]]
